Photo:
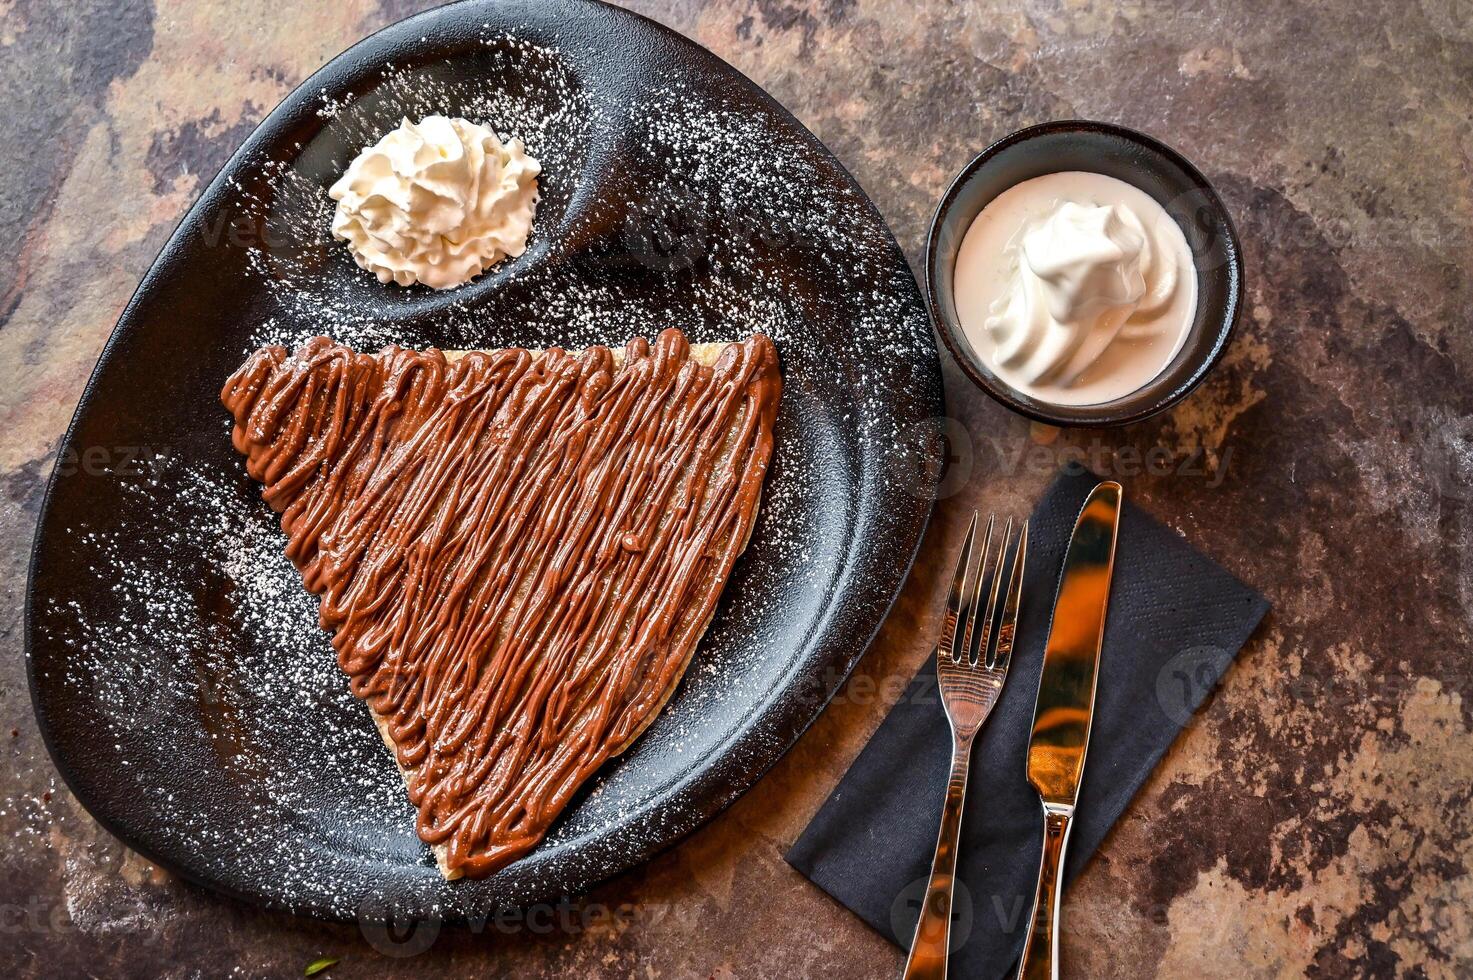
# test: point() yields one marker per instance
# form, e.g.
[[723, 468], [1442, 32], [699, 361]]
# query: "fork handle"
[[1041, 950], [927, 960]]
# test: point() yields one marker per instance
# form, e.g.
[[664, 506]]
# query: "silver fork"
[[970, 686]]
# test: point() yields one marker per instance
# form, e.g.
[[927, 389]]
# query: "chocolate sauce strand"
[[516, 555]]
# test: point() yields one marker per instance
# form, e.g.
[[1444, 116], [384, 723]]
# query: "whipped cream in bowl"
[[1077, 288], [436, 202], [1083, 274]]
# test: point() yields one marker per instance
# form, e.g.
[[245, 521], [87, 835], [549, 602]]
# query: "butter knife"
[[1062, 715]]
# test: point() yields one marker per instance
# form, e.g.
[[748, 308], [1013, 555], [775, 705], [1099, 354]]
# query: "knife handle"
[[930, 947], [1041, 950]]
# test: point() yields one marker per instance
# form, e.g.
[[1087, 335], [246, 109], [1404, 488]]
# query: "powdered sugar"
[[219, 694]]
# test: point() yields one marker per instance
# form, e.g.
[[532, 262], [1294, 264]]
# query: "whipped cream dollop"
[[436, 202], [1075, 287]]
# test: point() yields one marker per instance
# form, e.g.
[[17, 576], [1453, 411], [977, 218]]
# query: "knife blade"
[[1065, 709], [1066, 687]]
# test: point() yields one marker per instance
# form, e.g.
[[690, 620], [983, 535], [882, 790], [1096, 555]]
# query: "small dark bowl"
[[1125, 155]]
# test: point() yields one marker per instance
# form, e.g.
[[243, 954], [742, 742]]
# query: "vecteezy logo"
[[905, 912], [394, 933], [933, 458], [1187, 678], [1196, 212], [672, 233]]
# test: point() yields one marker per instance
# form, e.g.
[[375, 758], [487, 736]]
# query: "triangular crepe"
[[517, 552]]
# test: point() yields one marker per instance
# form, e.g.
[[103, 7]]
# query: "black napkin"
[[1175, 622]]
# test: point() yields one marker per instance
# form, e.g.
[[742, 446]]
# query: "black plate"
[[179, 676]]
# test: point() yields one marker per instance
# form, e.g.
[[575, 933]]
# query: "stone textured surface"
[[1314, 820]]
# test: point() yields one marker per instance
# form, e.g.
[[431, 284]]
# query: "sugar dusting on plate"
[[215, 646]]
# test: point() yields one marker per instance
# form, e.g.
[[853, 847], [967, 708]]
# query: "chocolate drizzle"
[[516, 554]]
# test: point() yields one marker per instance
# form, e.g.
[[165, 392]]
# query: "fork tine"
[[1009, 625], [956, 597], [963, 653], [984, 657]]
